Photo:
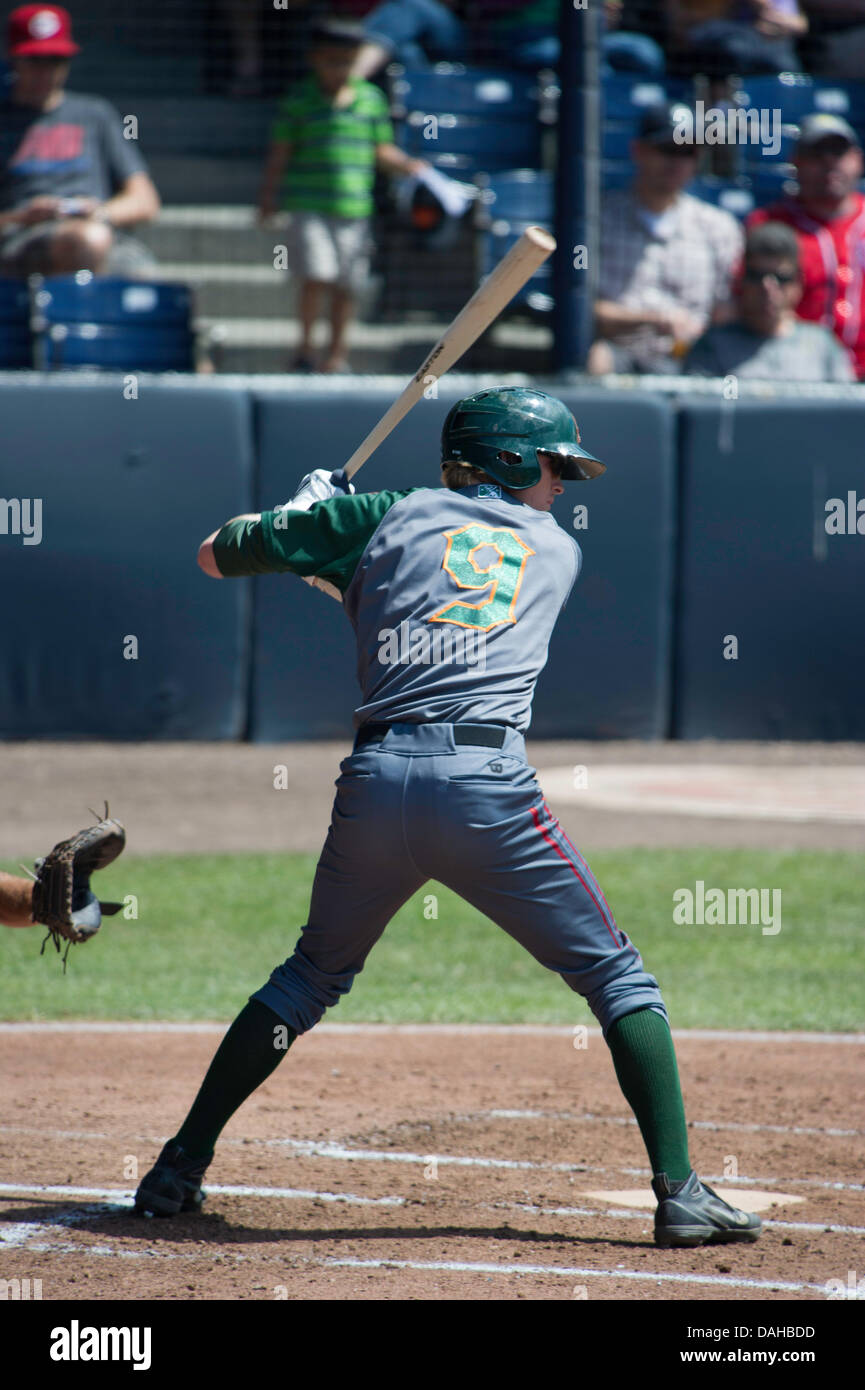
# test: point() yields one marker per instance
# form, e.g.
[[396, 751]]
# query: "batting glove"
[[318, 486]]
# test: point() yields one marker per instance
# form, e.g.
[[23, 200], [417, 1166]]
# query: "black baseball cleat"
[[173, 1184], [690, 1213]]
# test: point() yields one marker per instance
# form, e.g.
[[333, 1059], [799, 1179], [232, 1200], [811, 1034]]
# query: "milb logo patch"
[[489, 490]]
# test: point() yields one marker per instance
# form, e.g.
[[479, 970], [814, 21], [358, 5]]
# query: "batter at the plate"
[[453, 593]]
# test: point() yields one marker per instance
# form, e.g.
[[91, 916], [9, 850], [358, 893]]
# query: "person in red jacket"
[[828, 216]]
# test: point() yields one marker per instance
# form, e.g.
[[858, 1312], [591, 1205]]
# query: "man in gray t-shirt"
[[70, 180], [767, 341]]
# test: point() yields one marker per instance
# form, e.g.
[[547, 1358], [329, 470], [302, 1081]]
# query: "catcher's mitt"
[[62, 899]]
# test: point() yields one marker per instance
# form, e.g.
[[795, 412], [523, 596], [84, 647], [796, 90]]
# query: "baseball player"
[[453, 594]]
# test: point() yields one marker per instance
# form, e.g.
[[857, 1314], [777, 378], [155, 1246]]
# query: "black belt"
[[488, 735]]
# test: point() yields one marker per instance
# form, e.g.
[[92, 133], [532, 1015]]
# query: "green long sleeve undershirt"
[[328, 540]]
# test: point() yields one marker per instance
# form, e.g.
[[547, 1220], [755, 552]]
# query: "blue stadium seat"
[[752, 154], [88, 298], [465, 120], [797, 95], [724, 193], [625, 96], [84, 320], [615, 173], [770, 184], [616, 140], [15, 342], [109, 347], [516, 195], [472, 145], [461, 91]]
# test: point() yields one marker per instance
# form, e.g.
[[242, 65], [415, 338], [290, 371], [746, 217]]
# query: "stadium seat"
[[615, 173], [516, 195], [616, 140], [15, 341], [771, 184], [625, 96], [86, 320], [471, 145], [797, 95], [108, 347], [478, 92], [88, 298], [724, 193], [468, 120]]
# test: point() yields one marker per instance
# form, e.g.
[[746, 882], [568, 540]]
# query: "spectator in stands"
[[331, 135], [633, 38], [828, 216], [838, 39], [69, 180], [719, 37], [412, 32], [666, 258], [508, 33], [767, 341]]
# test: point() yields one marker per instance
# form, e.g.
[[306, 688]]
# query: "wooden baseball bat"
[[499, 288]]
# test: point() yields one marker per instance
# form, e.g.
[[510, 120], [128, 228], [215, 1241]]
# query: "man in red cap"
[[70, 177], [827, 214]]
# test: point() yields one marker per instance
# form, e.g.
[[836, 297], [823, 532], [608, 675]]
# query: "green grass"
[[211, 928]]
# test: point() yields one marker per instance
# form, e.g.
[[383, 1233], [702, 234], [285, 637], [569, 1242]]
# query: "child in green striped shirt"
[[331, 134]]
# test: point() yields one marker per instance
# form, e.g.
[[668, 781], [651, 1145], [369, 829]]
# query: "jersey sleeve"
[[326, 542]]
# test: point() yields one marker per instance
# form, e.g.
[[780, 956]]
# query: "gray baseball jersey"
[[453, 595]]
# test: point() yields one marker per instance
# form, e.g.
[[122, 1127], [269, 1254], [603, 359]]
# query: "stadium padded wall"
[[607, 674], [109, 628], [757, 564], [709, 525]]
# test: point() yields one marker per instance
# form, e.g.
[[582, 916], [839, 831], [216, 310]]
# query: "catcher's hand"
[[62, 899]]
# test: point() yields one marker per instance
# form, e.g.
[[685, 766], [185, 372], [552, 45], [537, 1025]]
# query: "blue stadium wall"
[[713, 601]]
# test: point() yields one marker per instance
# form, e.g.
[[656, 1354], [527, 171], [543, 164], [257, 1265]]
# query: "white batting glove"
[[318, 486]]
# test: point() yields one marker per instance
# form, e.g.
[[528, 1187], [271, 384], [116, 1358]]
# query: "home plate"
[[752, 1200]]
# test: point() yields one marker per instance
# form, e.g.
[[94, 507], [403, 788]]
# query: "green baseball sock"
[[253, 1047], [645, 1062]]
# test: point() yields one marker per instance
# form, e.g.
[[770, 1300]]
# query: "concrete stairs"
[[245, 307]]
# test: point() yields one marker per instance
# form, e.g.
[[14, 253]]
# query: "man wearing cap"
[[666, 258], [69, 179], [828, 216]]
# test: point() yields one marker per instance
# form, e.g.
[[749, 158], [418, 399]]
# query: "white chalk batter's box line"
[[714, 1125], [457, 1030], [21, 1236], [119, 1197], [313, 1148]]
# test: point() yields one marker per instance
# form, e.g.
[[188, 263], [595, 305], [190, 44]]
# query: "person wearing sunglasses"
[[767, 341], [666, 257], [827, 214], [71, 178]]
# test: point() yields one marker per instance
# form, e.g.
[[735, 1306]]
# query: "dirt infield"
[[190, 798], [413, 1163]]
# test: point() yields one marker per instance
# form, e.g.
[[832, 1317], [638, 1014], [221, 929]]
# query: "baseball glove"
[[62, 900]]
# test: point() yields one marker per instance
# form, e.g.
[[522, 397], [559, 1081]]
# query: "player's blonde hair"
[[456, 474]]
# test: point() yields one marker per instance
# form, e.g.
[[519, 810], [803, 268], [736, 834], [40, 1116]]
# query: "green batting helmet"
[[501, 429]]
